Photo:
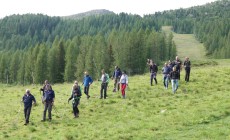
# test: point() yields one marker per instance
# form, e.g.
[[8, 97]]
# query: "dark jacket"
[[49, 96], [187, 64], [28, 99], [174, 75], [76, 95], [117, 73], [153, 68]]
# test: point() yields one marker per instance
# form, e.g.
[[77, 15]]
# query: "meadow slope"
[[199, 110]]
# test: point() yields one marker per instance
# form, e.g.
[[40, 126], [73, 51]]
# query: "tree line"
[[66, 59], [209, 23]]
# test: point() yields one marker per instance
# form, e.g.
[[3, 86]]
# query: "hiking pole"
[[17, 115], [56, 111]]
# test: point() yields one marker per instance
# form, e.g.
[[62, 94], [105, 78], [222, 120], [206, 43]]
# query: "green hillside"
[[187, 45], [199, 110]]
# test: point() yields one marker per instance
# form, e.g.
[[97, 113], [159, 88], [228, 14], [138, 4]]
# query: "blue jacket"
[[117, 73], [28, 99], [87, 80], [49, 96]]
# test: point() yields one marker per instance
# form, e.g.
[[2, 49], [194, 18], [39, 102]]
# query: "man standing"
[[48, 102], [27, 99], [87, 81], [104, 84], [116, 76], [153, 71], [177, 63], [187, 67]]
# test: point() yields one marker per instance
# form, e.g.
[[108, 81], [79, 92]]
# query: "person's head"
[[103, 71], [186, 58], [174, 68], [27, 91], [166, 63], [76, 82], [46, 82], [86, 73], [177, 58], [116, 67], [75, 86], [48, 87], [124, 72]]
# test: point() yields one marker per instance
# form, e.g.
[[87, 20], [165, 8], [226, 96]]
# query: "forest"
[[35, 47]]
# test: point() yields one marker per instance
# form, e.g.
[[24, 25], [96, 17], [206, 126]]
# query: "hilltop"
[[98, 12]]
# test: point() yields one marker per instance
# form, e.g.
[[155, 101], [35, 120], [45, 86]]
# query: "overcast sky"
[[70, 7]]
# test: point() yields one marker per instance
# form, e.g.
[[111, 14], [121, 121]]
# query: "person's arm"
[[34, 100]]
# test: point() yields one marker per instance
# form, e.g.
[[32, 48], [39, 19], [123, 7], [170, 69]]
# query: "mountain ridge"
[[96, 12]]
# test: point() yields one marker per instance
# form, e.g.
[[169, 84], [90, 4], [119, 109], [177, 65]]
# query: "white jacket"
[[124, 79]]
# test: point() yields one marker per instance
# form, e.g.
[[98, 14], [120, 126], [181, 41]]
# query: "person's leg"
[[25, 111], [44, 112], [155, 77], [178, 74], [173, 85], [188, 74], [118, 84], [74, 110], [177, 84], [164, 82], [102, 88], [115, 84], [123, 86], [87, 89], [105, 90], [28, 114], [49, 111], [151, 79]]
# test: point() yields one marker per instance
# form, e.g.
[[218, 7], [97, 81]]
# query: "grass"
[[187, 45], [199, 110]]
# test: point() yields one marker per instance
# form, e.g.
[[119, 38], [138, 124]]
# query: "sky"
[[70, 7]]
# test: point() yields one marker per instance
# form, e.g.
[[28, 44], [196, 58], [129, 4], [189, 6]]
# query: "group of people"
[[171, 72], [48, 95]]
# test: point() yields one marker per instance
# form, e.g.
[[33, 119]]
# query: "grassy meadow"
[[199, 110]]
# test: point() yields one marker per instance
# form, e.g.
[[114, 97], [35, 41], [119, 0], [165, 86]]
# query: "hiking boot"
[[26, 123], [88, 96], [43, 120]]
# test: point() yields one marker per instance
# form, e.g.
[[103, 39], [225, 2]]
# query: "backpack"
[[78, 91]]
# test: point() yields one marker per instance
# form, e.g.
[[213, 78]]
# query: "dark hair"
[[124, 72]]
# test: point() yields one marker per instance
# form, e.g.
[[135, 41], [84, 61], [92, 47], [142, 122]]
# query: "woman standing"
[[124, 83]]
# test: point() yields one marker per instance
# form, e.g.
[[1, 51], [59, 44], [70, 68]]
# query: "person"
[[170, 65], [153, 71], [174, 75], [75, 96], [124, 83], [45, 88], [104, 83], [116, 76], [166, 71], [187, 67], [87, 81], [49, 97], [28, 99], [177, 63]]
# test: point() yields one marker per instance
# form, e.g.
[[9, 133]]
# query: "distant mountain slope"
[[89, 13]]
